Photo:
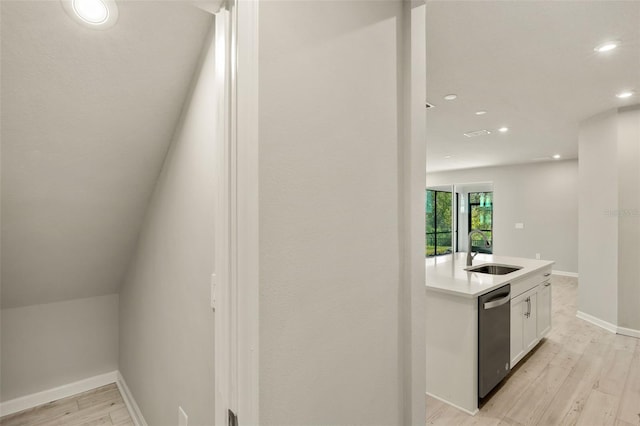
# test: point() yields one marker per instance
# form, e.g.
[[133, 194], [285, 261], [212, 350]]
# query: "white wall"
[[543, 196], [50, 345], [610, 217], [330, 216], [598, 291], [166, 322], [81, 159], [414, 326], [629, 219]]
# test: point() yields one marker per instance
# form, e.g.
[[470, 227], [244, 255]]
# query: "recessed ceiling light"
[[556, 156], [447, 156], [606, 47], [503, 129], [450, 97], [624, 95], [481, 112], [91, 11], [97, 14]]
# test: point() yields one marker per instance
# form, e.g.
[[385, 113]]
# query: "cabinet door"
[[517, 327], [544, 309], [531, 322]]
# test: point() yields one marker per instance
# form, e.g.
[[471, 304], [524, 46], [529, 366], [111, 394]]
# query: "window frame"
[[477, 204], [435, 226]]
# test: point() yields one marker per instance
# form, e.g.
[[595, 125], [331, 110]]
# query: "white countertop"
[[447, 273]]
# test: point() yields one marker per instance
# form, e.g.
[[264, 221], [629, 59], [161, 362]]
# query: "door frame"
[[247, 172], [235, 281]]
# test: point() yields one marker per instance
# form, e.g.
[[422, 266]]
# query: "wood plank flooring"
[[579, 375], [101, 406]]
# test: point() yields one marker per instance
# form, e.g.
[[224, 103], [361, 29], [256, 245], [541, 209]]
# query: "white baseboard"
[[629, 332], [613, 328], [471, 413], [64, 391], [130, 402], [597, 321], [565, 274]]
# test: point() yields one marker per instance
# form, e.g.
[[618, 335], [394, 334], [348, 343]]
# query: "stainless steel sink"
[[493, 269]]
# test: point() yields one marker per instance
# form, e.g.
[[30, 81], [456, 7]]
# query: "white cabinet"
[[544, 309], [531, 321], [530, 313], [517, 327], [524, 326]]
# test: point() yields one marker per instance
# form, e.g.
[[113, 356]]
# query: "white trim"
[[49, 395], [597, 321], [412, 175], [565, 274], [471, 413], [247, 260], [629, 332], [608, 326], [130, 402], [222, 217], [236, 256]]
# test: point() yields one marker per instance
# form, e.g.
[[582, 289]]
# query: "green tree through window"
[[438, 223], [481, 218]]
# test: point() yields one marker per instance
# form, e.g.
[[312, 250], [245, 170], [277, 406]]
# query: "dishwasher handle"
[[497, 302]]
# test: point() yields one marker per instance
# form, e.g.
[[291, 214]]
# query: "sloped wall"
[[166, 321], [87, 119]]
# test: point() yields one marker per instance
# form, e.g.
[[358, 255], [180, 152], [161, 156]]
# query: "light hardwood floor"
[[101, 406], [579, 375]]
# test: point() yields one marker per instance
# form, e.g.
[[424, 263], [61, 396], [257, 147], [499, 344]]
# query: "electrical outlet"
[[538, 256], [183, 419]]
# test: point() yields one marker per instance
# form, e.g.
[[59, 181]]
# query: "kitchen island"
[[452, 319]]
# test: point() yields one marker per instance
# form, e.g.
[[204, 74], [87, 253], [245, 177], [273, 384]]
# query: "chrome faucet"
[[470, 254]]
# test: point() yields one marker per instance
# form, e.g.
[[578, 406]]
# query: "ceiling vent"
[[477, 133]]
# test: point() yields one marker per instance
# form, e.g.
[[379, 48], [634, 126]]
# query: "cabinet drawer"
[[520, 286], [519, 298]]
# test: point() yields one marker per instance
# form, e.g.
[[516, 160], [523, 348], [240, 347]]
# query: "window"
[[438, 223], [481, 218]]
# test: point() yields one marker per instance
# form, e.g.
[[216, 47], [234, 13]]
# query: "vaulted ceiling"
[[532, 67], [87, 118]]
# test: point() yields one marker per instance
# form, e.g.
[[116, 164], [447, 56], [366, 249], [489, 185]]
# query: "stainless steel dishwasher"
[[494, 334]]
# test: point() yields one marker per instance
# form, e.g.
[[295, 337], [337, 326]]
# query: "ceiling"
[[532, 66], [87, 118]]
